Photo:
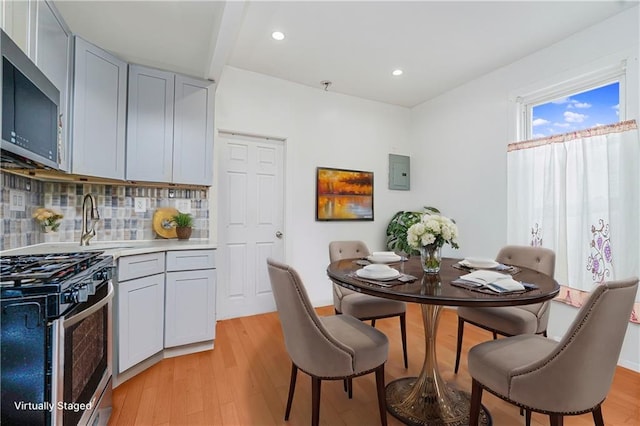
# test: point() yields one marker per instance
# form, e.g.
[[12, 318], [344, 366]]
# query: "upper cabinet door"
[[17, 19], [100, 89], [53, 57], [193, 131], [150, 124]]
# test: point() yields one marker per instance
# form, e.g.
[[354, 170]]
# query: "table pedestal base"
[[453, 410]]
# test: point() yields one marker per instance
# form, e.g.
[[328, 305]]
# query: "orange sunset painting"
[[344, 194]]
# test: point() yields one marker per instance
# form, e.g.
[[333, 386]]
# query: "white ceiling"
[[355, 44]]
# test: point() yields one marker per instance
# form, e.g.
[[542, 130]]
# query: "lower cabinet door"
[[190, 307], [141, 319]]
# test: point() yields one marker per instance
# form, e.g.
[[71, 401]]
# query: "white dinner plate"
[[479, 263], [386, 258], [390, 274]]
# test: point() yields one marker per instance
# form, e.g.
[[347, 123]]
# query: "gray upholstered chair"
[[569, 377], [512, 320], [335, 347], [363, 306]]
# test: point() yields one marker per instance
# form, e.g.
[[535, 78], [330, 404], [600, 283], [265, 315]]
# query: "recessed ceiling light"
[[397, 72], [277, 35]]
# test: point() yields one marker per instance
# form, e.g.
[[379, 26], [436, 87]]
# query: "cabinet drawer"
[[188, 260], [130, 267]]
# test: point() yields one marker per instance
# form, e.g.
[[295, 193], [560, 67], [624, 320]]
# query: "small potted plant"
[[183, 223]]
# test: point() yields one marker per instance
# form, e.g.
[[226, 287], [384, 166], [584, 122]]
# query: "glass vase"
[[431, 257]]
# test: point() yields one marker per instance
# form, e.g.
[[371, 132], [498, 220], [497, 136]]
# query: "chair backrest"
[[311, 347], [577, 375], [539, 259], [347, 249]]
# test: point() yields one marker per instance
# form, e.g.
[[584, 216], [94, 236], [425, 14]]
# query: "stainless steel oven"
[[56, 339], [82, 365]]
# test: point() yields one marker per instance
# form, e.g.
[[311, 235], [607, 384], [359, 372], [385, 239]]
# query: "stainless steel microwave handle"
[[84, 314]]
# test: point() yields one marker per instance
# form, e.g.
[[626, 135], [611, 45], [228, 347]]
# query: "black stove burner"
[[46, 268]]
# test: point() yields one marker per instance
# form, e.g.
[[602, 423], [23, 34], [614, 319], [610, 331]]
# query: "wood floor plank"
[[244, 381], [162, 412]]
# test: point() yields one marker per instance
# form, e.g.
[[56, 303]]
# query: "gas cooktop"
[[56, 281], [47, 271]]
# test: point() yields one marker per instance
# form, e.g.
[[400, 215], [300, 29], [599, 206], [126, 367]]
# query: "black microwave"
[[30, 105]]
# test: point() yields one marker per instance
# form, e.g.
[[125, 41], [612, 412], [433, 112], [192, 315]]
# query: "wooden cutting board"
[[162, 225]]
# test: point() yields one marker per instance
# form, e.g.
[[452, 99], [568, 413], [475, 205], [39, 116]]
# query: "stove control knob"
[[72, 296], [69, 297], [83, 294], [91, 287]]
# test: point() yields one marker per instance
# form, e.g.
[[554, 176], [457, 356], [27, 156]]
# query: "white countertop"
[[115, 248]]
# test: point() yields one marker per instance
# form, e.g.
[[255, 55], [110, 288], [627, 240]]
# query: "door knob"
[[278, 234]]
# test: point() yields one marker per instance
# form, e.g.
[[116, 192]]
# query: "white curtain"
[[579, 195]]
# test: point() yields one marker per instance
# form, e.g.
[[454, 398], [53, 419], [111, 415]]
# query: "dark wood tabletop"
[[438, 290]]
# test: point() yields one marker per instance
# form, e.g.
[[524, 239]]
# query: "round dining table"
[[428, 399]]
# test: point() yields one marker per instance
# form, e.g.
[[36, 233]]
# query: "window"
[[576, 103], [591, 108], [576, 154]]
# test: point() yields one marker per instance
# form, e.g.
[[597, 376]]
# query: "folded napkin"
[[496, 281]]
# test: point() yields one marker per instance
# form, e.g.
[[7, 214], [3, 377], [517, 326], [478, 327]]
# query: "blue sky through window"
[[595, 107]]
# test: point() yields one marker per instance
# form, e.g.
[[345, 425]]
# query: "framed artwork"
[[343, 194]]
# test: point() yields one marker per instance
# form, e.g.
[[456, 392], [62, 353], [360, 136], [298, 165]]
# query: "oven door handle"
[[84, 314]]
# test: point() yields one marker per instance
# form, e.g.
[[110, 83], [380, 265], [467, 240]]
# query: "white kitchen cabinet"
[[169, 127], [17, 19], [150, 124], [190, 297], [99, 112], [193, 131], [53, 56], [140, 308]]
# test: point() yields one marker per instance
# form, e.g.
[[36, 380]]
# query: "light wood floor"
[[244, 382]]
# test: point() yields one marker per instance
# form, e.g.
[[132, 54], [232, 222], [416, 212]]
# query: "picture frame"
[[344, 195]]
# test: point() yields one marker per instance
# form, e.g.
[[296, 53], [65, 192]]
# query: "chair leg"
[[292, 388], [373, 323], [459, 344], [556, 419], [382, 406], [597, 416], [495, 335], [527, 418], [316, 383], [403, 333], [350, 387], [476, 399], [345, 385]]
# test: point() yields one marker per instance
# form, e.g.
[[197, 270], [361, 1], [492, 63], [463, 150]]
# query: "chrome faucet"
[[90, 216]]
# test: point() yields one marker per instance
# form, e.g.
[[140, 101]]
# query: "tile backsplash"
[[118, 218]]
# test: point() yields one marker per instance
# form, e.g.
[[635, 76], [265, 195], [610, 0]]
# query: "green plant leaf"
[[183, 220]]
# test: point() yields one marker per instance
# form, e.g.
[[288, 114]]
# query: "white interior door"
[[251, 220]]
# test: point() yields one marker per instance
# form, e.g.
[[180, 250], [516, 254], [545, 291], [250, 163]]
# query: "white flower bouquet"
[[429, 235], [433, 229]]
